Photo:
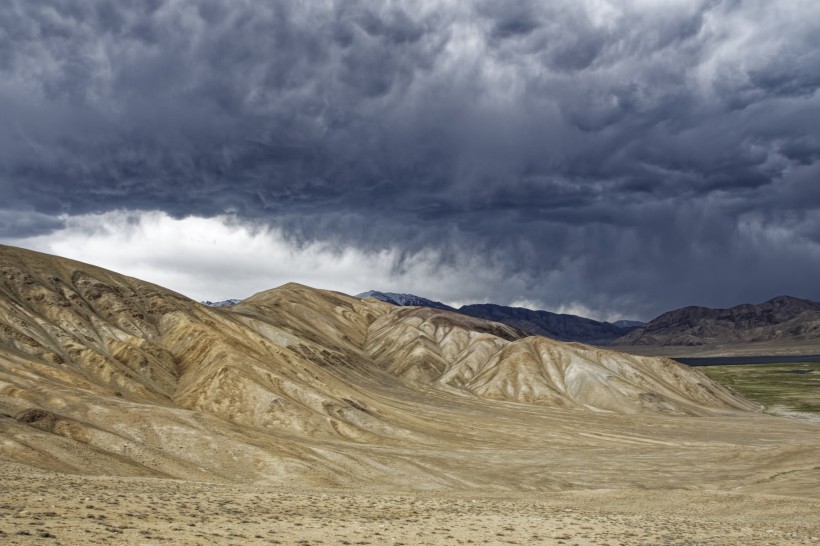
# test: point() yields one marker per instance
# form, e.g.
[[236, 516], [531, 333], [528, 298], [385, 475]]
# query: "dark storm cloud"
[[622, 155], [15, 224]]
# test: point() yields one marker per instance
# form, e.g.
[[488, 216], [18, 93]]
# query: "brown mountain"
[[780, 319], [106, 374]]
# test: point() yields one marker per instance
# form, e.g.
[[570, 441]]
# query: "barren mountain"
[[558, 326], [554, 325], [105, 374], [780, 319], [410, 300], [495, 361]]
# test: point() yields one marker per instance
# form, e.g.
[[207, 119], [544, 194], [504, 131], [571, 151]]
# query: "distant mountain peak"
[[780, 318], [558, 326], [628, 323], [223, 303], [534, 322], [404, 300], [785, 300]]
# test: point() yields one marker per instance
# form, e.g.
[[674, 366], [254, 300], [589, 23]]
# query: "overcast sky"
[[613, 158]]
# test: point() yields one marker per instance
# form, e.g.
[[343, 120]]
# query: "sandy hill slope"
[[496, 361], [105, 374], [780, 319]]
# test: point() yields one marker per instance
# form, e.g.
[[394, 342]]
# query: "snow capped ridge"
[[223, 303], [377, 295], [404, 300]]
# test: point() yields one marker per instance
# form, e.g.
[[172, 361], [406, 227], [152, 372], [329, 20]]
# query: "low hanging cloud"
[[223, 257], [623, 157]]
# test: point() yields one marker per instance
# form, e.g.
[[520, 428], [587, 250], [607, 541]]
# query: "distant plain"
[[781, 387]]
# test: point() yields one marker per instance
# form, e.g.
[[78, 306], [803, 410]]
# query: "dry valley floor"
[[45, 508]]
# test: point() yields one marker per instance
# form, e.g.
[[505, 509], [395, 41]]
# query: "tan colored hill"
[[496, 361], [105, 374]]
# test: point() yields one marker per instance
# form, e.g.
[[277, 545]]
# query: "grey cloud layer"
[[631, 155]]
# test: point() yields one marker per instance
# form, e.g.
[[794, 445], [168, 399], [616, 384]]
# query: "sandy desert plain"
[[132, 415]]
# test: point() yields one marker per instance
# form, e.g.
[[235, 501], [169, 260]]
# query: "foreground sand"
[[47, 508]]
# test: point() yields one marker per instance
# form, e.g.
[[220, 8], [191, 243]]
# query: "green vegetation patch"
[[795, 386]]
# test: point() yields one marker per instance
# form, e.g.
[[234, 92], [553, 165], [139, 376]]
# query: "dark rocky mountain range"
[[779, 319], [553, 325], [628, 323], [539, 323]]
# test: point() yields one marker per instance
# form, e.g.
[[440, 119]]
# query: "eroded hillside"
[[105, 374]]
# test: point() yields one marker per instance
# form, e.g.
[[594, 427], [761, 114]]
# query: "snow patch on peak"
[[223, 303], [409, 300]]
